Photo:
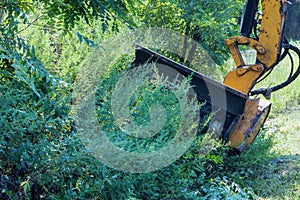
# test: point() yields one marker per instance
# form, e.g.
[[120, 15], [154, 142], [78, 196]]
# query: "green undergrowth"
[[41, 153], [42, 156], [188, 177]]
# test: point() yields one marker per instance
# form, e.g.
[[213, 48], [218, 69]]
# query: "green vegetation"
[[43, 47]]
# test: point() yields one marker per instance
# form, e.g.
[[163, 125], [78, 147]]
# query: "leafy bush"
[[224, 188]]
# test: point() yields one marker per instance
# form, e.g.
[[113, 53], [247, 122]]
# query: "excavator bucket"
[[237, 118]]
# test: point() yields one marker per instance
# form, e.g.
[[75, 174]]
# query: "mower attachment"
[[236, 118]]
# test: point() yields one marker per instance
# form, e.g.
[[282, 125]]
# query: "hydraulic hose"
[[267, 91]]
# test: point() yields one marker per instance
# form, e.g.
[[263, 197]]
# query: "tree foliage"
[[61, 13], [17, 16], [207, 22]]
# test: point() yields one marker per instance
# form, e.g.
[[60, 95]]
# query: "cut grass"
[[271, 167], [282, 179]]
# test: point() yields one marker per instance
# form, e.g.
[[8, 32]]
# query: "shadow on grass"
[[267, 173], [280, 179]]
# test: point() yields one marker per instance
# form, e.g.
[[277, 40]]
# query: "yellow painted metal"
[[270, 31], [243, 78], [235, 52], [233, 43], [249, 124], [268, 47]]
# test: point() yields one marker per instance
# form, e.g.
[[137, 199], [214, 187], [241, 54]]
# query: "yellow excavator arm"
[[268, 41]]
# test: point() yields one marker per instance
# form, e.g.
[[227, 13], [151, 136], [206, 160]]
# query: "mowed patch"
[[280, 179]]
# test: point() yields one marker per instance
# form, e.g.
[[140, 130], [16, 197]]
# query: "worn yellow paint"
[[270, 31], [234, 42], [249, 124], [242, 78], [268, 48]]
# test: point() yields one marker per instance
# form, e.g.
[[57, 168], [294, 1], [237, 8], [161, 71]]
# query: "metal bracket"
[[233, 43], [243, 70]]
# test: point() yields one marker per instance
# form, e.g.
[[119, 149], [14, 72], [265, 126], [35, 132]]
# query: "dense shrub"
[[42, 156]]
